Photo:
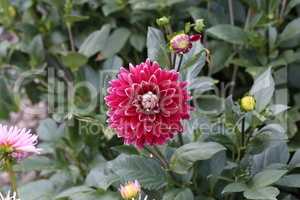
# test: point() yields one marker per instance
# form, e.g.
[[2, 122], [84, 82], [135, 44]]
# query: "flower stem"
[[12, 176], [180, 139], [180, 62], [174, 60], [71, 38], [243, 131]]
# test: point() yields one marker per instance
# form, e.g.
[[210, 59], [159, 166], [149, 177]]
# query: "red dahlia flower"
[[146, 104]]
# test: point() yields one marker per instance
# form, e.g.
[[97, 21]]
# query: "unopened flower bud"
[[12, 11], [199, 25], [248, 103], [163, 21]]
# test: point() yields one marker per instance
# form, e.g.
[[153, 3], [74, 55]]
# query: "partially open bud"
[[195, 37], [163, 21], [181, 43], [248, 103], [199, 25], [130, 191]]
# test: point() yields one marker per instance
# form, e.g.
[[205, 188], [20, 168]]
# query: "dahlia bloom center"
[[6, 148], [183, 44], [149, 102]]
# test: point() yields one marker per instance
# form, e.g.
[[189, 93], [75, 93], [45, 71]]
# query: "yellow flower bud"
[[130, 191], [248, 103], [12, 11]]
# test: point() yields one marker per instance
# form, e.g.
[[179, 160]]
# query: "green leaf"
[[295, 161], [74, 60], [179, 194], [278, 108], [157, 47], [144, 4], [126, 149], [138, 41], [263, 90], [290, 32], [220, 55], [267, 177], [147, 171], [234, 187], [228, 33], [74, 190], [185, 156], [49, 131], [113, 63], [292, 180], [115, 42], [35, 163], [95, 42], [36, 50], [95, 196], [269, 135], [37, 190], [201, 84], [209, 104], [272, 155], [193, 61], [112, 6], [291, 5], [7, 103], [267, 193], [152, 5], [100, 177]]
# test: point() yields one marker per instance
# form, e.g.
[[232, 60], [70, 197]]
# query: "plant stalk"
[[243, 132], [71, 38], [179, 64], [174, 60], [12, 176]]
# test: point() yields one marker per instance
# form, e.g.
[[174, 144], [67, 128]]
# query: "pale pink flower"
[[18, 143], [146, 104], [131, 190]]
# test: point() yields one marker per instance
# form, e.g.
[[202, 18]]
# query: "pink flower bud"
[[181, 43]]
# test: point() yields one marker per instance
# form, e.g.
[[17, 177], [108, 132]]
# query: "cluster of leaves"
[[228, 154]]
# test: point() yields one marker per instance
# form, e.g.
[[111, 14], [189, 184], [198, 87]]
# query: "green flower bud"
[[187, 27], [163, 21], [199, 25]]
